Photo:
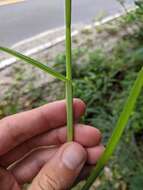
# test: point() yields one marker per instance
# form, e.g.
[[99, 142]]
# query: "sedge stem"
[[69, 90]]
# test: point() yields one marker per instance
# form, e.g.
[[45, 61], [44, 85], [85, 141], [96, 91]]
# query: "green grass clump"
[[104, 82], [118, 131]]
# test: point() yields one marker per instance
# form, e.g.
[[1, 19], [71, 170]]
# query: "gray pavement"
[[24, 20]]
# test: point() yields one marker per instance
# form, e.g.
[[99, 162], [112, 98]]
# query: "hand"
[[33, 146]]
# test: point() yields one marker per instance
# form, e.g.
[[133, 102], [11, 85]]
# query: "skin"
[[33, 147]]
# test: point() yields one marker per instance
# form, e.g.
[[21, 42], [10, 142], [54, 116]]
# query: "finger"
[[28, 168], [94, 154], [62, 170], [20, 127], [92, 137], [84, 135], [7, 181]]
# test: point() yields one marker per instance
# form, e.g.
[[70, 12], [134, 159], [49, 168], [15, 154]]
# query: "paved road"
[[23, 20]]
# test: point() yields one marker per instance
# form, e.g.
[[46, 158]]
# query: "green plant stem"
[[118, 131], [34, 63], [69, 93]]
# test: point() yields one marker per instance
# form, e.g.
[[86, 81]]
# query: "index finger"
[[18, 128]]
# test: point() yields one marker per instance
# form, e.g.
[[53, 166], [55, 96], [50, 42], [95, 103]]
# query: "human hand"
[[34, 145]]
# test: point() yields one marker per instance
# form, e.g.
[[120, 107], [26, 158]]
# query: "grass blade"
[[118, 131], [34, 63], [69, 93]]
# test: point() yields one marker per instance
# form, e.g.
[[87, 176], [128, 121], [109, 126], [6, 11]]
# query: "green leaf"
[[34, 63], [118, 131]]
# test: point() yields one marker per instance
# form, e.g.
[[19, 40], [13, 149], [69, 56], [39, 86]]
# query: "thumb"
[[62, 170]]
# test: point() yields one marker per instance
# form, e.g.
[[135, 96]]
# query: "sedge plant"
[[66, 79], [124, 117]]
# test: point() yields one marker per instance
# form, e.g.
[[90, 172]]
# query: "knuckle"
[[48, 182]]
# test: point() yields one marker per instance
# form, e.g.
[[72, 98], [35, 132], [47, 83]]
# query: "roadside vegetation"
[[102, 79]]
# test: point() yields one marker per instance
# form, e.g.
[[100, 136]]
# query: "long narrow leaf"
[[118, 131], [34, 63]]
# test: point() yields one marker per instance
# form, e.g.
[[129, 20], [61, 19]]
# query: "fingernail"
[[74, 156]]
